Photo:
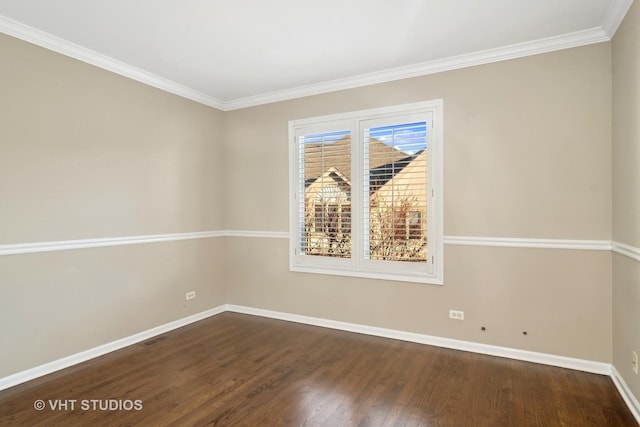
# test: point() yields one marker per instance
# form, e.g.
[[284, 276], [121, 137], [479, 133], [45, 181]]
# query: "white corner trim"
[[625, 392], [627, 250], [519, 50], [616, 13], [592, 245], [529, 356], [267, 234], [28, 248], [48, 41], [83, 356]]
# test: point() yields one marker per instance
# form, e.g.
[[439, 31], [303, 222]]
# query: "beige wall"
[[85, 153], [527, 146], [626, 194], [508, 291], [527, 153], [56, 304]]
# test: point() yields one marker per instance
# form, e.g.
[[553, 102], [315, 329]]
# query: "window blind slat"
[[359, 199], [325, 168], [395, 191]]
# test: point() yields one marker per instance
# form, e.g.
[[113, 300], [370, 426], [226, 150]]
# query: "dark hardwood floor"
[[235, 369]]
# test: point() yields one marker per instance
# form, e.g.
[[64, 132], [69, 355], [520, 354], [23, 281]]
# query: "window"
[[366, 193]]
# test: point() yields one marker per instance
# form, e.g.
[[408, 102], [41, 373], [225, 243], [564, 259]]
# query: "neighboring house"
[[328, 215], [398, 210], [397, 203]]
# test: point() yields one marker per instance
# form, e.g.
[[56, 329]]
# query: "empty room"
[[336, 213]]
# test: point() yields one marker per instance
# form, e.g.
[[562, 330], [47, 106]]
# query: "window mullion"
[[333, 191], [357, 225]]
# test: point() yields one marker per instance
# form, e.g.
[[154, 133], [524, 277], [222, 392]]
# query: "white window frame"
[[431, 272]]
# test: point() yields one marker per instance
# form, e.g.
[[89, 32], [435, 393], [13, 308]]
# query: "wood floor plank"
[[240, 370]]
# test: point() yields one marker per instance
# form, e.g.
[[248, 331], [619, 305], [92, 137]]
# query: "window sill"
[[413, 278]]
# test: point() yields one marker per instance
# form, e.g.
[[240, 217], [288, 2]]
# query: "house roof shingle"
[[339, 154]]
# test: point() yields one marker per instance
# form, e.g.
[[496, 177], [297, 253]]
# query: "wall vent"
[[155, 340]]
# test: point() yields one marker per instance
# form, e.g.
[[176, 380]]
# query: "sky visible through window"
[[409, 137]]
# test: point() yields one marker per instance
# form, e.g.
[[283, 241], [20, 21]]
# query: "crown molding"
[[615, 15], [48, 41], [519, 50], [579, 38]]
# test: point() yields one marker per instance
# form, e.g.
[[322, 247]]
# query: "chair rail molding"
[[508, 242], [626, 250], [63, 245]]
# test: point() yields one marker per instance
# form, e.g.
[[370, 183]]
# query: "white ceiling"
[[236, 53]]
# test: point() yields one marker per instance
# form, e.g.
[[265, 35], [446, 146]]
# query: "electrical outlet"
[[634, 362], [191, 295], [456, 314]]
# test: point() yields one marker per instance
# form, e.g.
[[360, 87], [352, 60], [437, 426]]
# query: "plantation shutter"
[[395, 191], [367, 199], [324, 207]]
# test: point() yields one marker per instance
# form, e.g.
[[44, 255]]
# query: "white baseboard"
[[511, 353], [625, 392], [83, 356], [524, 355]]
